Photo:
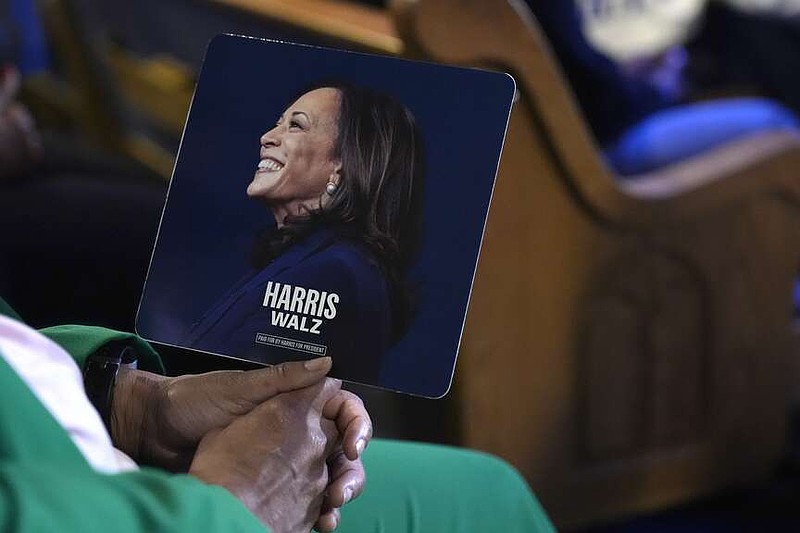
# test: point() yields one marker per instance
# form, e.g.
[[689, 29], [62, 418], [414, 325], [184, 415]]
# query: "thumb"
[[257, 386]]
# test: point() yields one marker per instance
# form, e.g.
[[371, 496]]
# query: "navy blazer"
[[239, 325]]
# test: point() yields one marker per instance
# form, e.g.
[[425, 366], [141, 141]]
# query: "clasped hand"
[[285, 440]]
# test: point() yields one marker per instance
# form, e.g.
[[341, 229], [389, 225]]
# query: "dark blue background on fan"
[[209, 224]]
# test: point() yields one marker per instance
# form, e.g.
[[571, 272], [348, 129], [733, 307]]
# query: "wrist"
[[131, 410]]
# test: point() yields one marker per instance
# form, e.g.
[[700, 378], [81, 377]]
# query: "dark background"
[[209, 223]]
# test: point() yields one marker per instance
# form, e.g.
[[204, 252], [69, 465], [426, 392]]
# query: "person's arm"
[[274, 458], [160, 421], [183, 410], [47, 484], [42, 497], [82, 341], [163, 420]]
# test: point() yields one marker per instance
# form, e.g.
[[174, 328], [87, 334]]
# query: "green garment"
[[421, 488], [47, 485]]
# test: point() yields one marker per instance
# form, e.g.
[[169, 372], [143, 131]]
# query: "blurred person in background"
[[634, 70], [750, 46], [627, 63], [93, 215]]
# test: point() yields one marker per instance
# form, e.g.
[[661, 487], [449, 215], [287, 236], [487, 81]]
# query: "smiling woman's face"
[[296, 159]]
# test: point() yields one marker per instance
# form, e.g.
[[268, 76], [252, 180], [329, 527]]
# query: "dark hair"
[[378, 202]]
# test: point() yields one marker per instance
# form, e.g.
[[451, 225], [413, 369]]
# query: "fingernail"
[[348, 494], [360, 445], [317, 364]]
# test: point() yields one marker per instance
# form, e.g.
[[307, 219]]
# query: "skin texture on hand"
[[347, 476], [160, 421], [274, 458]]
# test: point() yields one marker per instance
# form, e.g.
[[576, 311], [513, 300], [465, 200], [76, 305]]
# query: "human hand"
[[273, 459], [160, 421], [20, 144], [346, 472]]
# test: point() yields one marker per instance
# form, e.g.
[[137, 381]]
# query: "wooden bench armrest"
[[703, 170], [767, 160], [371, 29]]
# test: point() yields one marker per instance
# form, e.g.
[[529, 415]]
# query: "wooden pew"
[[627, 344]]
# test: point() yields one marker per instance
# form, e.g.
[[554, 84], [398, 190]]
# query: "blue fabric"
[[355, 338], [679, 133], [24, 33], [797, 298], [610, 99]]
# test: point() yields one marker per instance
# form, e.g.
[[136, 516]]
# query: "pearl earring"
[[330, 188]]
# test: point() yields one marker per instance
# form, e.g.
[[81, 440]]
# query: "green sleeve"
[[82, 341], [425, 487], [8, 311], [41, 497]]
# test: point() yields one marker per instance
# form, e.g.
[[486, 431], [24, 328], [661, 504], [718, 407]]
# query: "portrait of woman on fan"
[[342, 174]]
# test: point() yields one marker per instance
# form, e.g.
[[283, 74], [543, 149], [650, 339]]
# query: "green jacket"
[[47, 485]]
